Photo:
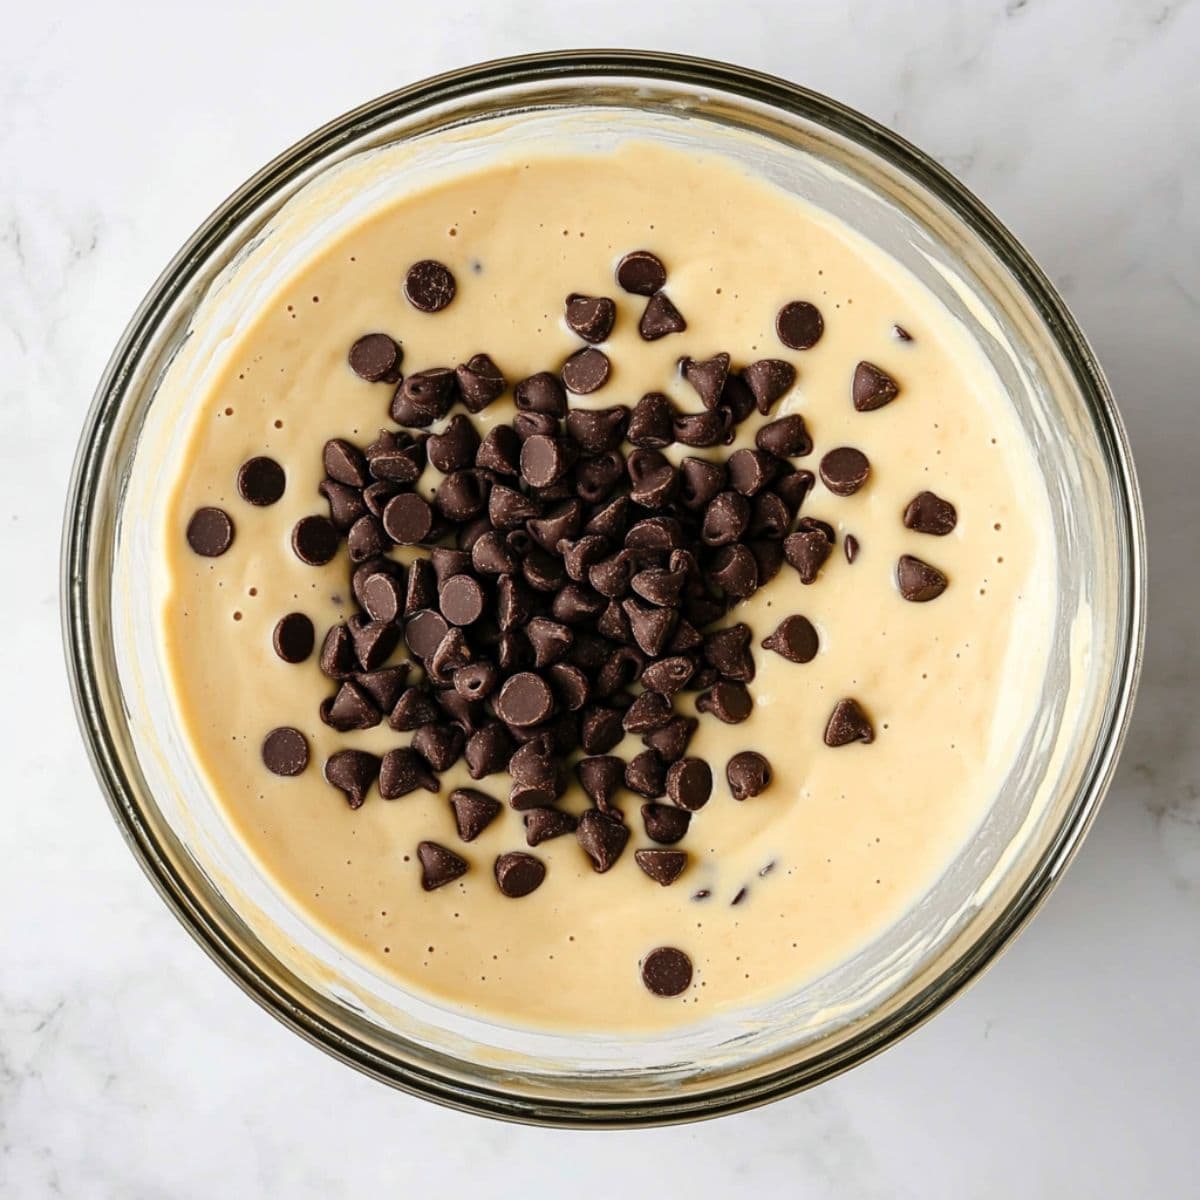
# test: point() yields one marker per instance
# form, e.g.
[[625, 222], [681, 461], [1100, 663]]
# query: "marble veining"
[[130, 1067]]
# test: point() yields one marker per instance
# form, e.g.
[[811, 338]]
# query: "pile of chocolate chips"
[[573, 581]]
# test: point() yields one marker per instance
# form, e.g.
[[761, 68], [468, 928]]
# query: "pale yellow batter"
[[853, 835]]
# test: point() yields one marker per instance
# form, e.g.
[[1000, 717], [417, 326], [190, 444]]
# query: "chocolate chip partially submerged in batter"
[[261, 481], [667, 971], [439, 866], [927, 512], [872, 387], [918, 580], [315, 540], [747, 774], [641, 273], [848, 723], [663, 866], [794, 639], [285, 751], [429, 285], [294, 637], [518, 874], [210, 532], [799, 325]]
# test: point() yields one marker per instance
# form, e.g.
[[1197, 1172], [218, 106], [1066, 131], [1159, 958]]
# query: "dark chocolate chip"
[[376, 495], [850, 546], [595, 431], [352, 772], [524, 700], [261, 481], [480, 382], [513, 603], [429, 285], [646, 774], [285, 751], [351, 708], [461, 600], [806, 550], [396, 458], [345, 463], [453, 449], [346, 504], [751, 470], [463, 711], [649, 710], [729, 651], [747, 774], [707, 376], [384, 685], [799, 325], [929, 513], [726, 519], [439, 866], [473, 812], [611, 520], [564, 522], [421, 591], [667, 971], [382, 597], [376, 357], [786, 437], [402, 771], [413, 709], [793, 489], [596, 478], [424, 631], [541, 571], [602, 837], [210, 532], [541, 393], [544, 460], [651, 422], [509, 509], [518, 874], [491, 555], [663, 866], [651, 627], [768, 379], [703, 429], [848, 723], [407, 519], [374, 641], [664, 823], [476, 681], [901, 334], [338, 659], [586, 371], [461, 496], [641, 273], [294, 637], [918, 581], [314, 540], [499, 451], [542, 824], [699, 482], [727, 701], [601, 777], [424, 397], [686, 637], [569, 684], [652, 478], [488, 750], [660, 318], [671, 741], [452, 653], [735, 570], [600, 729], [872, 388], [769, 516], [591, 317], [659, 586], [367, 539], [845, 470], [668, 675], [441, 746], [794, 639], [737, 400], [550, 640]]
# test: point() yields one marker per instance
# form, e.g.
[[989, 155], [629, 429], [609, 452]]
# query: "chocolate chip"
[[455, 447], [314, 540], [671, 741], [845, 470], [726, 519], [901, 334], [700, 481], [667, 971], [541, 393], [585, 371], [735, 570], [602, 837], [429, 285], [345, 463], [376, 357], [285, 751], [850, 546], [769, 516], [570, 686], [751, 470], [768, 379], [542, 572], [689, 783], [543, 824], [350, 708], [729, 651], [601, 777], [543, 460], [462, 710], [461, 496], [872, 388], [407, 519], [439, 866], [918, 581], [668, 675], [799, 325], [345, 504], [806, 550], [563, 522], [651, 422], [294, 637], [646, 774], [261, 481], [848, 723], [441, 746], [707, 376], [663, 866], [703, 429], [385, 685], [929, 513], [424, 397], [480, 382], [513, 603], [596, 478], [381, 597], [476, 681], [352, 772], [737, 400], [600, 729], [641, 273], [793, 489], [376, 495], [524, 700], [686, 637], [596, 430], [488, 750], [786, 437], [748, 774], [396, 457], [728, 702], [659, 586], [424, 631], [367, 539], [651, 627], [452, 653], [518, 874], [338, 659], [649, 710], [660, 318], [611, 520], [509, 509], [794, 639], [210, 532], [473, 811], [402, 771], [491, 555], [664, 823], [461, 600], [413, 709], [421, 591], [374, 641], [591, 317]]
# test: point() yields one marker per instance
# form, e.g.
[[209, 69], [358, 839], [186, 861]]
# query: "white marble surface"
[[129, 1066]]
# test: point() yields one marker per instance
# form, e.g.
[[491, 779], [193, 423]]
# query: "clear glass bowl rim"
[[612, 66]]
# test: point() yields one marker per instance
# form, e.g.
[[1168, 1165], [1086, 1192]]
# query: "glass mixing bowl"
[[880, 186]]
